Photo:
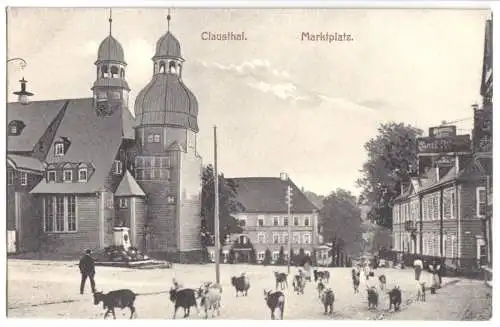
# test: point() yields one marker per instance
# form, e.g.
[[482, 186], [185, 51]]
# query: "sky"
[[281, 104]]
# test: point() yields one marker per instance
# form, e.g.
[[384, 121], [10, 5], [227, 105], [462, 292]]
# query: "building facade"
[[265, 217], [77, 168]]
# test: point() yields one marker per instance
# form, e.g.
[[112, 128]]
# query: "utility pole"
[[216, 212], [289, 195]]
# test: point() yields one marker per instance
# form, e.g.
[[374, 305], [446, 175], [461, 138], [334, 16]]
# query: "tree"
[[342, 223], [252, 257], [392, 159], [228, 204], [314, 259], [281, 257], [267, 257]]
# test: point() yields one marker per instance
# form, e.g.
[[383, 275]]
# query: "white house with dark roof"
[[265, 216], [77, 168]]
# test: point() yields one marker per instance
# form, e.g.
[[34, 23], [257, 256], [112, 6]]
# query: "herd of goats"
[[208, 295]]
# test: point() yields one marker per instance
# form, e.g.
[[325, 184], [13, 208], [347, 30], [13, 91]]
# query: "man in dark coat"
[[87, 269]]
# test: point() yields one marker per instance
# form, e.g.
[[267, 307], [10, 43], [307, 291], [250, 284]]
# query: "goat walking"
[[116, 299]]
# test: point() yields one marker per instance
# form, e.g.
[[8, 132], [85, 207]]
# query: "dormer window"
[[51, 176], [82, 174], [170, 199], [123, 203], [61, 146], [59, 149], [67, 173], [16, 127]]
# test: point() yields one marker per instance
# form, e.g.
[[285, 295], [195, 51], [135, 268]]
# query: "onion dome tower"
[[167, 165], [166, 100], [110, 87]]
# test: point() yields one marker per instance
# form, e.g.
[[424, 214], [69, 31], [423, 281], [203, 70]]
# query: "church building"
[[79, 168]]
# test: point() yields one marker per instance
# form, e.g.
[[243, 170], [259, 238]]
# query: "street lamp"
[[23, 94]]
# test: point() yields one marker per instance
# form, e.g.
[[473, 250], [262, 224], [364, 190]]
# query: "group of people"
[[434, 269]]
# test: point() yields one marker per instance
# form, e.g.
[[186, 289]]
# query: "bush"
[[267, 257], [281, 257]]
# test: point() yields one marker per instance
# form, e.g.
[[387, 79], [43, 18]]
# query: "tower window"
[[118, 167], [172, 67], [114, 71], [162, 67], [116, 95], [104, 71], [122, 73], [123, 203], [156, 138], [24, 179]]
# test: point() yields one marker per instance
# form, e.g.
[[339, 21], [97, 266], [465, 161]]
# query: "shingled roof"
[[92, 139], [267, 195], [25, 163], [36, 116]]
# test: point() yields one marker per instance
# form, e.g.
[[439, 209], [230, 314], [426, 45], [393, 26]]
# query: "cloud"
[[259, 74]]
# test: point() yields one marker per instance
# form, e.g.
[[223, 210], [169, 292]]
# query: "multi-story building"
[[439, 213], [265, 216], [77, 168]]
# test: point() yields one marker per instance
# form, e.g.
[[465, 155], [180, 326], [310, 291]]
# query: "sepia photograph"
[[249, 163]]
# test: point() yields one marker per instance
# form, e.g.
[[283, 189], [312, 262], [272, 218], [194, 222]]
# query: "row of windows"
[[282, 238], [59, 214], [276, 221], [83, 172], [431, 207], [152, 168], [11, 177], [260, 255]]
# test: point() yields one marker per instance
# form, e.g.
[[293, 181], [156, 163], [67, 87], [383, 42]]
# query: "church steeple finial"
[[110, 20], [168, 20]]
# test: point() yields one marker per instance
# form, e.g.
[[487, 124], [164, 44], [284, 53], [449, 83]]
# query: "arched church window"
[[162, 67], [104, 71], [122, 73], [114, 71], [172, 67], [115, 95]]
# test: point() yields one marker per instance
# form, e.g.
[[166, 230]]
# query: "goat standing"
[[241, 284], [299, 283], [210, 296], [275, 300], [281, 280], [185, 298], [116, 299], [328, 298], [395, 298]]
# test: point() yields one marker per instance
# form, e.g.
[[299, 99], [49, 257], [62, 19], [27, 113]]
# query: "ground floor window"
[[60, 213], [275, 255], [260, 256]]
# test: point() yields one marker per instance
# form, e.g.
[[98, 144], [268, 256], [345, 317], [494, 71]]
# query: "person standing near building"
[[87, 270], [418, 266]]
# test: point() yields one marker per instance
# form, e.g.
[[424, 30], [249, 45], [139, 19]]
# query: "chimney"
[[284, 176], [437, 174], [457, 165]]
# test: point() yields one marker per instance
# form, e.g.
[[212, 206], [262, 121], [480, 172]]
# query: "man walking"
[[87, 269]]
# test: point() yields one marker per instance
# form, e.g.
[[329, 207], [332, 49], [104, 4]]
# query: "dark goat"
[[327, 298], [372, 298], [299, 283], [321, 275], [241, 284], [185, 298], [355, 280], [394, 298], [116, 299], [281, 280], [275, 300]]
